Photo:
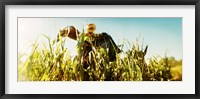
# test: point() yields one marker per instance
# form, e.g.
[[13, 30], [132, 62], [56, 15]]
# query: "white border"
[[187, 86]]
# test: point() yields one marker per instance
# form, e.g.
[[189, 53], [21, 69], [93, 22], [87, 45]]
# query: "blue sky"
[[160, 34]]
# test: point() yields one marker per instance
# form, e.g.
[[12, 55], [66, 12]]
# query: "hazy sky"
[[160, 34]]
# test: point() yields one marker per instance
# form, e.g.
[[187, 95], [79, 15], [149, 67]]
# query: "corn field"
[[53, 62]]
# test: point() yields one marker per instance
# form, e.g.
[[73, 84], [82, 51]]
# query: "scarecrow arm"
[[69, 31]]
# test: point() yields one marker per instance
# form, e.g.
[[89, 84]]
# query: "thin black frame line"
[[93, 95], [100, 96], [197, 29], [197, 36], [3, 51], [103, 2]]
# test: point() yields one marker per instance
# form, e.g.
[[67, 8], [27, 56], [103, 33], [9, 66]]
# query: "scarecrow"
[[94, 41]]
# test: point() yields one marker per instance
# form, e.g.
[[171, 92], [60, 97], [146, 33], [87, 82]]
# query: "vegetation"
[[54, 63]]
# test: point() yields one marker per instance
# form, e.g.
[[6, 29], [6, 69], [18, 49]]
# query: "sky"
[[162, 35]]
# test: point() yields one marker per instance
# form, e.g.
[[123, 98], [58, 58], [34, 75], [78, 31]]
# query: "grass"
[[53, 62]]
